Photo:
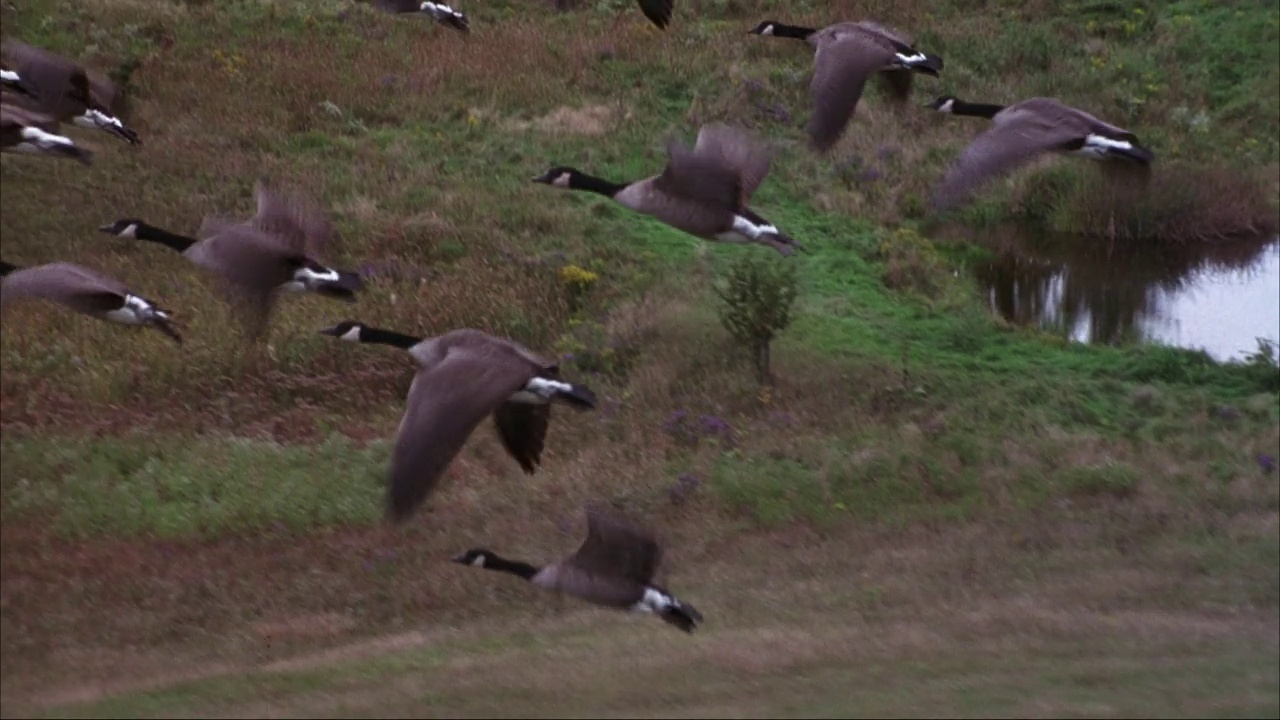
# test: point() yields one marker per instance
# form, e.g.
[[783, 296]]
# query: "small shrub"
[[756, 301]]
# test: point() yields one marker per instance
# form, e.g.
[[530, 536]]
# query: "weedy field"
[[928, 512]]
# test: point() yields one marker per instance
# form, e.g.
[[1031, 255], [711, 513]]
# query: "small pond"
[[1219, 298]]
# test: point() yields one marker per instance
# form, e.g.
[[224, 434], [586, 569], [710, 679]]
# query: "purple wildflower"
[[868, 175], [685, 484], [1267, 463]]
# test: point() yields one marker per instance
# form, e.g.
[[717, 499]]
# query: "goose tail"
[[681, 615], [578, 397], [783, 243]]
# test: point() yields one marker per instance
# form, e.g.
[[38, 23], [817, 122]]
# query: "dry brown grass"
[[439, 211]]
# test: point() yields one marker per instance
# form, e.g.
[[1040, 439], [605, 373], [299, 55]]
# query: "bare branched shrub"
[[756, 300]]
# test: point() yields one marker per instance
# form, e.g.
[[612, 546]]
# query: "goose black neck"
[[591, 183], [515, 567], [6, 268], [164, 237], [388, 337], [792, 31], [960, 107]]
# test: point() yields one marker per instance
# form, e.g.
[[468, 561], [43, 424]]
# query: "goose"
[[1023, 131], [85, 291], [703, 191], [846, 54], [442, 13], [26, 131], [614, 568], [66, 91], [273, 251], [463, 376]]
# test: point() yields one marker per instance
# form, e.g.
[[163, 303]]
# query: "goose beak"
[[545, 178], [108, 229], [460, 559], [334, 331]]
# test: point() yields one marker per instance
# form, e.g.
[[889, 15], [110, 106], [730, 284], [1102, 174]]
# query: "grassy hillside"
[[929, 510]]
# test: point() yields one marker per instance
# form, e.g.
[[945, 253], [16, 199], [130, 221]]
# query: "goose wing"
[[1013, 141], [522, 428], [16, 115], [63, 85], [73, 285], [895, 37], [1054, 112], [397, 6], [617, 548], [658, 11], [738, 150], [295, 219], [445, 403], [251, 264], [700, 177], [843, 65]]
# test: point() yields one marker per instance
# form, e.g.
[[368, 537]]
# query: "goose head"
[[944, 103], [561, 177], [125, 228], [765, 28], [349, 330], [478, 557]]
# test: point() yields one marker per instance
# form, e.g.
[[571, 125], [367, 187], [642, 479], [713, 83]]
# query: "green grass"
[[929, 512]]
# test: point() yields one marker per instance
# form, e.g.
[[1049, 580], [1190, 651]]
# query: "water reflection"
[[1219, 298]]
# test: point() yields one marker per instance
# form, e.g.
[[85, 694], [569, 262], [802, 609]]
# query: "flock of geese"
[[466, 375]]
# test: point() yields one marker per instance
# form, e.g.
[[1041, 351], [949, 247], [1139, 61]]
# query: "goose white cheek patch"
[[352, 335]]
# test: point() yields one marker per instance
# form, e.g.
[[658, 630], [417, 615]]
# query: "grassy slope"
[[920, 471]]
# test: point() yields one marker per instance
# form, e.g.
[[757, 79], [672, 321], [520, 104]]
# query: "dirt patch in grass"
[[587, 120]]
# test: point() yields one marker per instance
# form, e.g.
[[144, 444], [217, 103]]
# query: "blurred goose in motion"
[[846, 55], [614, 567], [273, 251], [463, 377], [703, 191], [1025, 130], [63, 89], [83, 290], [27, 131]]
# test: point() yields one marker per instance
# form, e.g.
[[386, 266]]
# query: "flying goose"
[[66, 91], [85, 291], [703, 191], [463, 376], [26, 131], [614, 567], [846, 55], [442, 13], [1023, 131], [273, 251]]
